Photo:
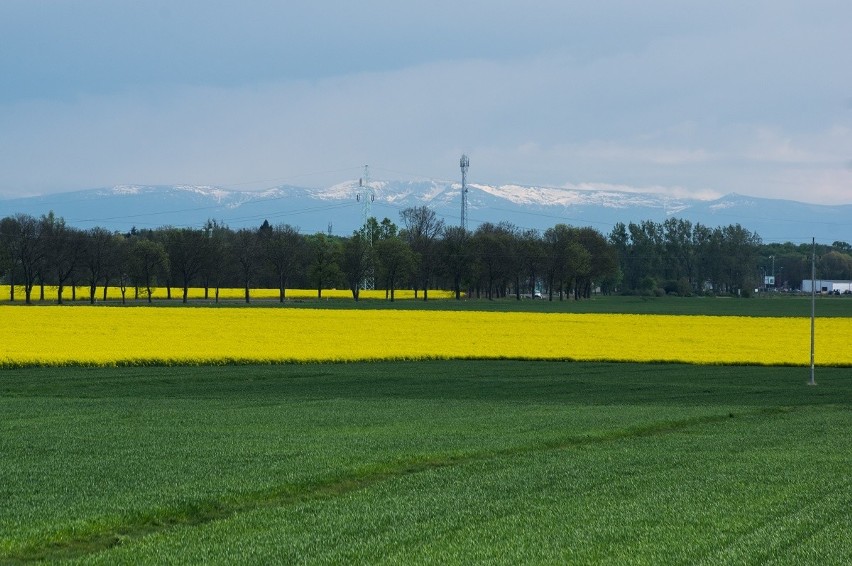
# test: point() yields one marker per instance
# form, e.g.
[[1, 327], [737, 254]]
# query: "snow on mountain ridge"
[[408, 193], [566, 197], [121, 207], [217, 194], [125, 190]]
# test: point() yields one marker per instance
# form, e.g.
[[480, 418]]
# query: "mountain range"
[[339, 208]]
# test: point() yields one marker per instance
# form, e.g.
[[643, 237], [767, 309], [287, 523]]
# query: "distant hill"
[[314, 209]]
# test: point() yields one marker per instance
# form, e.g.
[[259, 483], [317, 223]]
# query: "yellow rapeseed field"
[[81, 294], [45, 335]]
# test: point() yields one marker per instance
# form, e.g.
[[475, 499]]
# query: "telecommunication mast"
[[464, 163], [366, 195]]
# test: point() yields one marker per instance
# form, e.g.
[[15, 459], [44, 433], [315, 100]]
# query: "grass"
[[458, 461], [764, 305], [767, 305]]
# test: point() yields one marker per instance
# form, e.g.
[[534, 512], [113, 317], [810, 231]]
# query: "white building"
[[827, 286]]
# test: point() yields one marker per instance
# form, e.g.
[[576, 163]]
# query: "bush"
[[648, 284]]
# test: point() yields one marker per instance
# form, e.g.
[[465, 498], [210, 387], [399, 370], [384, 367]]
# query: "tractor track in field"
[[68, 546]]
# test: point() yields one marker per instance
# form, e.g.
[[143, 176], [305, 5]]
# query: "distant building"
[[827, 286]]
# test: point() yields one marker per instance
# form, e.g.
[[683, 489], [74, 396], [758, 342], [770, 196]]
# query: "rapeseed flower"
[[84, 335]]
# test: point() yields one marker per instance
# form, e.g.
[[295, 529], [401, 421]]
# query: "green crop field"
[[771, 305], [765, 305], [426, 462]]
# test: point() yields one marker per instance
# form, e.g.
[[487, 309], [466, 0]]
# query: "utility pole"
[[774, 286], [813, 307]]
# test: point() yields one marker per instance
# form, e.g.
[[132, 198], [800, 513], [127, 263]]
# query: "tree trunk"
[[59, 293]]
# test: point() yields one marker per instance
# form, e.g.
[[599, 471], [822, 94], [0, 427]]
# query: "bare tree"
[[422, 229], [324, 269], [150, 259], [456, 256], [565, 258], [356, 262], [495, 255], [22, 239], [285, 251], [532, 256], [185, 248], [246, 249], [216, 256], [64, 247], [395, 261], [98, 246], [602, 264]]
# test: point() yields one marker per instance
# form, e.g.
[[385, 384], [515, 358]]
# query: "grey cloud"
[[615, 92]]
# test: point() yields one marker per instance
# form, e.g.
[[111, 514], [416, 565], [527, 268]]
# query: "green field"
[[764, 305], [767, 305], [426, 462]]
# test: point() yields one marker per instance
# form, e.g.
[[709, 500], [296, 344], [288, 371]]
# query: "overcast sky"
[[701, 98]]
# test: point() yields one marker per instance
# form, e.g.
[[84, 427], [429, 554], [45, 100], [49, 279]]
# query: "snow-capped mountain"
[[341, 208]]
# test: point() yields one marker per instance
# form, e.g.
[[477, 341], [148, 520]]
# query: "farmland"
[[86, 335], [429, 461], [766, 305], [370, 434], [113, 294]]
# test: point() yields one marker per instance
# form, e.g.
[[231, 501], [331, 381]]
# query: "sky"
[[689, 98]]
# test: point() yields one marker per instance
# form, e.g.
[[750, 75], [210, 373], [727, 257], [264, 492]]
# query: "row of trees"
[[677, 256], [686, 258], [492, 261], [495, 260], [791, 263]]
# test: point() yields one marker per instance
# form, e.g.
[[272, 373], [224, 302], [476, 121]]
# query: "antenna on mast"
[[464, 163], [366, 195]]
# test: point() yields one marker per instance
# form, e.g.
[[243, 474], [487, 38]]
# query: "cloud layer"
[[702, 100]]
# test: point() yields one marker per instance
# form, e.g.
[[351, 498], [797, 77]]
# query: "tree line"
[[677, 256], [423, 253]]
